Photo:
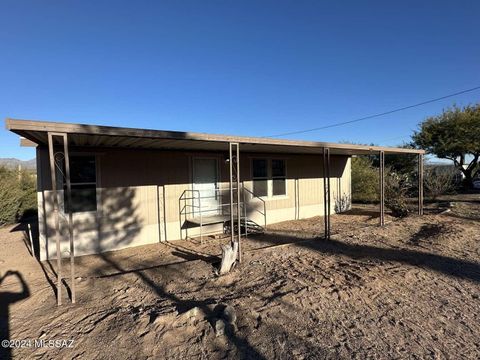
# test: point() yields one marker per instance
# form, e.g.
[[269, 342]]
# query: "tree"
[[453, 135], [365, 179], [18, 195], [438, 180], [405, 164]]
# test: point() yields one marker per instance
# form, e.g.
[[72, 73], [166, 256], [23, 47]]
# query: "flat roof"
[[83, 135]]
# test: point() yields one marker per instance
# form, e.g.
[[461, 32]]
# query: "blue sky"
[[236, 67]]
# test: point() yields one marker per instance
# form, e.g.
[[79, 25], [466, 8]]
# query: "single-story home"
[[110, 187]]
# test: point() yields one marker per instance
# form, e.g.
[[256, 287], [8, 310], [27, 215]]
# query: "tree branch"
[[473, 163]]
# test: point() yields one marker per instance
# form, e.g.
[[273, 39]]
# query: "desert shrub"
[[28, 186], [342, 203], [438, 181], [365, 180], [396, 193], [17, 195]]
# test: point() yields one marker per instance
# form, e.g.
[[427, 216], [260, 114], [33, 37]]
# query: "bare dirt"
[[408, 290]]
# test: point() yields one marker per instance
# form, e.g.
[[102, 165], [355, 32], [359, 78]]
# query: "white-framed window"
[[269, 177], [83, 179]]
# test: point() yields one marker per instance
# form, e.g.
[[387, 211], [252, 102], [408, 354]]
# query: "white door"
[[205, 179]]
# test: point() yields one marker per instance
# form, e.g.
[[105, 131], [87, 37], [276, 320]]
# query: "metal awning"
[[82, 135]]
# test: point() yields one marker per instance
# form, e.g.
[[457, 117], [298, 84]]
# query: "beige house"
[[132, 187]]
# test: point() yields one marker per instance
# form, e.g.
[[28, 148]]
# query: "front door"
[[205, 179]]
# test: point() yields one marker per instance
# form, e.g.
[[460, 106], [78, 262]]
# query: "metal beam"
[[65, 171], [326, 192], [70, 215], [230, 164], [57, 220], [235, 212], [245, 210], [239, 214], [420, 184], [329, 193], [382, 187]]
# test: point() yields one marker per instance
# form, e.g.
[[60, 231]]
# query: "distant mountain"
[[13, 163]]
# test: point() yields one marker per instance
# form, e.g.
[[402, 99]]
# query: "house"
[[105, 188]]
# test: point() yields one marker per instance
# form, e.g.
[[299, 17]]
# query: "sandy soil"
[[408, 290]]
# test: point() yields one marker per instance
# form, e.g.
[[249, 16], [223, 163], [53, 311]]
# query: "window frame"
[[260, 178], [270, 177], [72, 184], [277, 177]]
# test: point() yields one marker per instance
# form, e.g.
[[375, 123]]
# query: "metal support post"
[[239, 214], [230, 164], [420, 184], [382, 188], [245, 212], [329, 194], [70, 215], [234, 162], [55, 184], [201, 219], [57, 220], [326, 192]]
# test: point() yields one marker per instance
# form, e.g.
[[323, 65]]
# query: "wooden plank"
[[27, 143]]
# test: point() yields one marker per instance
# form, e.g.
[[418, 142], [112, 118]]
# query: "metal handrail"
[[185, 205], [264, 205], [196, 195]]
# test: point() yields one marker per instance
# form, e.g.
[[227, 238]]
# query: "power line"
[[394, 138], [377, 115]]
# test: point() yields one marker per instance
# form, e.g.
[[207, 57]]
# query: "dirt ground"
[[408, 290]]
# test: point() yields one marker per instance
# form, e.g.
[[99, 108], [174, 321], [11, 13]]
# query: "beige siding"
[[139, 190]]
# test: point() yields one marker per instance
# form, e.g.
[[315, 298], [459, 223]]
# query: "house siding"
[[138, 195]]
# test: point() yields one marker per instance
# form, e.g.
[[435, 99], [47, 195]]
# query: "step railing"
[[190, 203], [264, 204]]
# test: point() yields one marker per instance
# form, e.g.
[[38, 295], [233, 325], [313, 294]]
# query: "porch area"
[[128, 183]]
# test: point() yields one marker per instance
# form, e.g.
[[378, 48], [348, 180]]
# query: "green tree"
[[453, 135], [17, 195], [365, 179], [405, 164]]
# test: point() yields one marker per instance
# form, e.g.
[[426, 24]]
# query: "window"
[[260, 177], [269, 177], [83, 179], [278, 177]]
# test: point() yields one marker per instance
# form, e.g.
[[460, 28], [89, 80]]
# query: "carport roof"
[[82, 135]]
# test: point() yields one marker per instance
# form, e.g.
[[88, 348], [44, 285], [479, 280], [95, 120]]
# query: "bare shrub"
[[396, 189], [343, 203], [438, 181]]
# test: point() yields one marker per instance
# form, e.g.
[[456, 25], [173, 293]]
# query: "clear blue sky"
[[236, 67]]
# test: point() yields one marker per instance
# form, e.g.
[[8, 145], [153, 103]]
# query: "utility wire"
[[377, 115]]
